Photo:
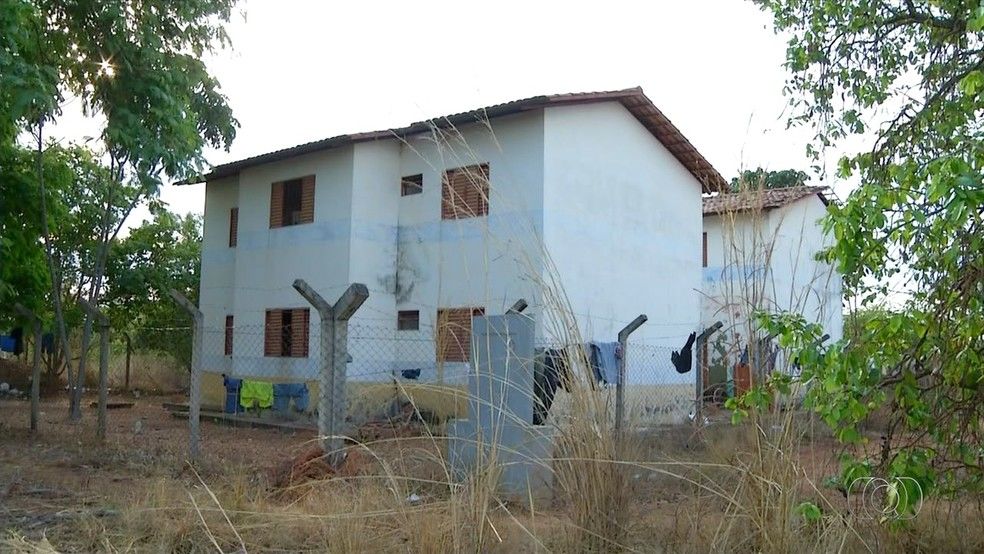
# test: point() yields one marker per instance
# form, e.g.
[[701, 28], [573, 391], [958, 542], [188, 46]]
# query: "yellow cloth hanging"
[[258, 392]]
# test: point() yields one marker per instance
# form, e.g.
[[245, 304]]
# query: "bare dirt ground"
[[62, 491], [63, 474], [64, 487]]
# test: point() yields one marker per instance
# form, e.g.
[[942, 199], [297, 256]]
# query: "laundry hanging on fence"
[[259, 393], [605, 358], [550, 372], [684, 359], [13, 342], [283, 393], [48, 343], [7, 343], [410, 374]]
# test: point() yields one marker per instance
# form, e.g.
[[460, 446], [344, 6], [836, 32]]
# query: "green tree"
[[138, 67], [159, 255], [763, 179], [76, 187], [911, 74], [23, 271]]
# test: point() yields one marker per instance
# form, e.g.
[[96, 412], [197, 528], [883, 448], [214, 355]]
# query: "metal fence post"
[[102, 322], [334, 359], [699, 357], [623, 341], [518, 306], [195, 392], [36, 367], [129, 350]]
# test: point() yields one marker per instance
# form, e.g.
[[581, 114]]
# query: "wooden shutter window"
[[465, 192], [454, 333], [228, 335], [292, 202], [272, 330], [233, 227], [705, 249], [276, 205], [307, 199], [299, 325]]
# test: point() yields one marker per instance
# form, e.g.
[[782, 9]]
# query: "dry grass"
[[723, 490]]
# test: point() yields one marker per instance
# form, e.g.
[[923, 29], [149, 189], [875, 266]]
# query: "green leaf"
[[809, 511]]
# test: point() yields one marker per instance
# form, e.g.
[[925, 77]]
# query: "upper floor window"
[[292, 202], [412, 184], [465, 192]]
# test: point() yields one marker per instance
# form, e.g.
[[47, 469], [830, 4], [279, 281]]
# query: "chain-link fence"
[[387, 366], [146, 359]]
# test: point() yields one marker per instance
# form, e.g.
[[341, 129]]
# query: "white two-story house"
[[596, 192]]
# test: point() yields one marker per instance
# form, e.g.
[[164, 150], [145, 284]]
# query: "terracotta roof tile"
[[633, 99], [767, 199]]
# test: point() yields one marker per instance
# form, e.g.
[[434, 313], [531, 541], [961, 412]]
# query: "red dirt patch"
[[313, 465]]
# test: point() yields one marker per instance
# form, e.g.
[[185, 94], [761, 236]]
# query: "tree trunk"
[[52, 269]]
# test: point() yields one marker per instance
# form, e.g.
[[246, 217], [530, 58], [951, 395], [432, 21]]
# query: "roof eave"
[[633, 99]]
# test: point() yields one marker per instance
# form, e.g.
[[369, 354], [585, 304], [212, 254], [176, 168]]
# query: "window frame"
[[229, 335], [290, 342], [405, 317], [300, 192], [234, 227], [704, 240], [411, 185], [458, 350], [458, 198]]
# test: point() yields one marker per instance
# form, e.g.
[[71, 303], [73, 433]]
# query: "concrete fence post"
[[102, 323], [623, 341], [36, 365], [195, 388], [699, 359], [129, 350], [334, 359], [518, 306]]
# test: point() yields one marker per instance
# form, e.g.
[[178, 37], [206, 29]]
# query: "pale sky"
[[305, 70]]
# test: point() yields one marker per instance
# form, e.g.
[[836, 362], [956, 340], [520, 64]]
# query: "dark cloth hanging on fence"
[[48, 343], [550, 372], [684, 359], [18, 335]]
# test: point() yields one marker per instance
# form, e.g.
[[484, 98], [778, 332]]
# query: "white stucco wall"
[[372, 258], [801, 283], [767, 261], [487, 261], [216, 294], [739, 247], [622, 226]]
